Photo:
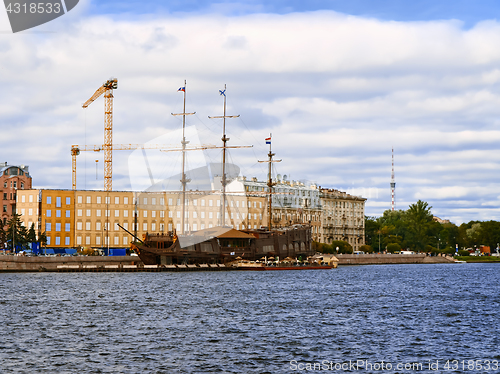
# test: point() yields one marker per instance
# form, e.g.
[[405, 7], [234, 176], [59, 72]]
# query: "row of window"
[[13, 184], [153, 201]]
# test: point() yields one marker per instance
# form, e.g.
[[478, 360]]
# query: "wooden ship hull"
[[223, 245]]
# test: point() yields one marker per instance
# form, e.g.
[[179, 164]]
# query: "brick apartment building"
[[12, 179]]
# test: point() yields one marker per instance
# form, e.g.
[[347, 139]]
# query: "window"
[[195, 202], [5, 195], [210, 215], [49, 199], [170, 201], [210, 203], [48, 227], [68, 213], [153, 214], [23, 199], [89, 200], [107, 200], [125, 213], [88, 213], [79, 212], [67, 227], [178, 214], [98, 240], [145, 213], [203, 202], [87, 240], [78, 240], [145, 226], [125, 200], [98, 212], [98, 226], [30, 211], [125, 240], [117, 200], [153, 226], [117, 213], [68, 200], [87, 226], [116, 227], [48, 240], [79, 225], [170, 215], [15, 184], [125, 225], [58, 203], [80, 200], [58, 227], [98, 199], [66, 240], [162, 214], [153, 201], [58, 213], [58, 240], [117, 240], [202, 215], [145, 201], [162, 201]]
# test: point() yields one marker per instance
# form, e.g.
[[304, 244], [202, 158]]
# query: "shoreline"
[[65, 264]]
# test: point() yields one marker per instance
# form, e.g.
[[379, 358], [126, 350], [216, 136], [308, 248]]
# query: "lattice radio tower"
[[393, 184]]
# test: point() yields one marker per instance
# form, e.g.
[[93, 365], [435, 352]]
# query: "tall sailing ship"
[[223, 244]]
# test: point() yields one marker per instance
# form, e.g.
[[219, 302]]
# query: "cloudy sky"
[[337, 83]]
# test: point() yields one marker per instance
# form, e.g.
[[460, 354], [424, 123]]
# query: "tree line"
[[15, 234], [415, 229]]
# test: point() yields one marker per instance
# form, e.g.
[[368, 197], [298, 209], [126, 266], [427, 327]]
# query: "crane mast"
[[106, 89]]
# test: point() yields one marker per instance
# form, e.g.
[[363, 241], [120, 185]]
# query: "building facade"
[[293, 202], [91, 218], [12, 179], [343, 218]]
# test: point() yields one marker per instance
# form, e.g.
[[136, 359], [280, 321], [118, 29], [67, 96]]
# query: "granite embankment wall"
[[378, 259], [42, 263]]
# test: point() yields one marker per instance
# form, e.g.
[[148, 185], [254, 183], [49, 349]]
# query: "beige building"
[[90, 218], [293, 202], [343, 218]]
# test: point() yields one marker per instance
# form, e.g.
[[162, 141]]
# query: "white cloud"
[[336, 91]]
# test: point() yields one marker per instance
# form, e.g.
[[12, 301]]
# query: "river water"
[[432, 318]]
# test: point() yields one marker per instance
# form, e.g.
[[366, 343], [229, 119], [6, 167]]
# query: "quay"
[[387, 259], [73, 264], [129, 264]]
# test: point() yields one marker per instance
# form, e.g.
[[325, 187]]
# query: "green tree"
[[16, 233], [31, 234], [343, 247], [3, 237], [371, 231], [419, 218]]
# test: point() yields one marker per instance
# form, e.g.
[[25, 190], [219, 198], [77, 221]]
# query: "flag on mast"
[[182, 89], [268, 140]]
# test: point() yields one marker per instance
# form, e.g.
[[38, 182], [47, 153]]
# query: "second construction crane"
[[106, 89]]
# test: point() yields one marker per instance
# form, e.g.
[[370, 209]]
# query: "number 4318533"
[[34, 8]]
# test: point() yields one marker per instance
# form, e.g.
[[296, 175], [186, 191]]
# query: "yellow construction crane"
[[106, 89], [76, 149]]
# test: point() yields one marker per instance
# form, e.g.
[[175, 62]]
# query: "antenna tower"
[[393, 184]]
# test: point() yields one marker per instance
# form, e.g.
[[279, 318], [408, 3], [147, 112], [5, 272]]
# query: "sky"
[[338, 84]]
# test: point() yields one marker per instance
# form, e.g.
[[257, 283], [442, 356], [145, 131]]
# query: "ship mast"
[[224, 139], [184, 180], [270, 183]]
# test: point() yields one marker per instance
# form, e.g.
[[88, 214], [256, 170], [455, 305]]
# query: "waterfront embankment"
[[9, 263], [387, 259]]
